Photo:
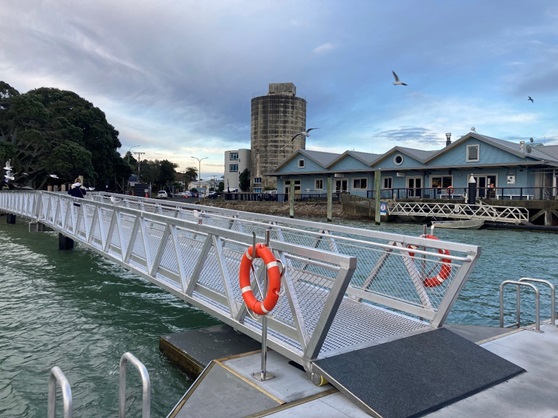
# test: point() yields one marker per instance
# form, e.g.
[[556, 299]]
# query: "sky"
[[176, 77]]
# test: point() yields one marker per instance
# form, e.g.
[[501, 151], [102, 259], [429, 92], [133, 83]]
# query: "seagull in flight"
[[8, 166], [397, 82], [530, 99], [305, 133], [54, 176]]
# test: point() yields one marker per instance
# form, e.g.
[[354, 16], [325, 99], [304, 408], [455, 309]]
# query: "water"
[[74, 310]]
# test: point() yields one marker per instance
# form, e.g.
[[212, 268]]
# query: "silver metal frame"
[[331, 302], [146, 385], [57, 377]]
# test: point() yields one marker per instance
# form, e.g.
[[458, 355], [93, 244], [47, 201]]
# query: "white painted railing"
[[506, 214]]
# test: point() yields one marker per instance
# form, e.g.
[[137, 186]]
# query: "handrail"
[[484, 211], [194, 252], [146, 385], [56, 376], [552, 295], [518, 305]]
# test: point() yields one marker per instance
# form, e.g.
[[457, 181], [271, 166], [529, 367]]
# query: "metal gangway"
[[505, 214], [343, 288]]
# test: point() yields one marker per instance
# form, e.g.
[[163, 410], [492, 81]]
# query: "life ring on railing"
[[445, 269], [273, 275], [449, 190]]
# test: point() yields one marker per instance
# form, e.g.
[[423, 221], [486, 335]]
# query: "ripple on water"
[[81, 313]]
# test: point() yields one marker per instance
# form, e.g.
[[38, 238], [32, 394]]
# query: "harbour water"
[[79, 312]]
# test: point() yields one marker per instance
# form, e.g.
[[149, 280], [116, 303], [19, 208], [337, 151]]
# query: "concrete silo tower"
[[276, 118]]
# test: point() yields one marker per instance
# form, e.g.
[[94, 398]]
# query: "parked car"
[[213, 195], [184, 194], [162, 194]]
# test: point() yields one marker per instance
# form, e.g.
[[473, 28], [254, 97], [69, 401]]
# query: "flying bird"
[[8, 166], [397, 82], [530, 99], [9, 176], [54, 176], [305, 133]]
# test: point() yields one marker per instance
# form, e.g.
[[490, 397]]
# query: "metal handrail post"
[[537, 302], [146, 385], [56, 376], [552, 296]]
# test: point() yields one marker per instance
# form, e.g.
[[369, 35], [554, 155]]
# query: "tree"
[[190, 175], [46, 124], [167, 173], [244, 180]]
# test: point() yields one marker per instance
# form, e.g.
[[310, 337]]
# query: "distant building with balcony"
[[500, 169], [236, 161]]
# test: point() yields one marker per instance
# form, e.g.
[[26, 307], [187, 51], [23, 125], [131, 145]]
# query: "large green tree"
[[51, 131]]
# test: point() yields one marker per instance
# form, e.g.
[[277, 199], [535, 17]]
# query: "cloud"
[[324, 48]]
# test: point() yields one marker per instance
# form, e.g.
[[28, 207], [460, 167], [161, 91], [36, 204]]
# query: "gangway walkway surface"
[[491, 213], [343, 288]]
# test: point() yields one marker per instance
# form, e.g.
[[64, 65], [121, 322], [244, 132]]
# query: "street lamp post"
[[130, 149], [199, 170]]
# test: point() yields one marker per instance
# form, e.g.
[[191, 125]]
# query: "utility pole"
[[139, 154]]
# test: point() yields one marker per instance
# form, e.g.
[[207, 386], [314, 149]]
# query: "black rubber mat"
[[417, 375]]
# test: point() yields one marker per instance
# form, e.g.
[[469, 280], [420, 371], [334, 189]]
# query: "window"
[[360, 183], [472, 153], [300, 163], [441, 182], [388, 183], [257, 180], [233, 168], [318, 184], [398, 159], [233, 156]]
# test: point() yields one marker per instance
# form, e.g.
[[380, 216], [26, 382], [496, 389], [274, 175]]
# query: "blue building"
[[500, 169]]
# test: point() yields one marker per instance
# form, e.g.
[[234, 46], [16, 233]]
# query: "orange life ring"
[[273, 275], [445, 269], [449, 190]]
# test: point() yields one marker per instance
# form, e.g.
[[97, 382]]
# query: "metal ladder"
[[57, 377], [527, 282]]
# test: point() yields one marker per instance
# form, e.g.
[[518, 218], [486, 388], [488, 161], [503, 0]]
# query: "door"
[[341, 186], [414, 186]]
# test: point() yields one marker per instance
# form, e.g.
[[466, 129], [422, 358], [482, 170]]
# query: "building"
[[236, 161], [499, 168], [275, 119]]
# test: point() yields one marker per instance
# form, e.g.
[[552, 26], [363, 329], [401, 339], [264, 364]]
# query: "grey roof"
[[364, 157], [319, 157]]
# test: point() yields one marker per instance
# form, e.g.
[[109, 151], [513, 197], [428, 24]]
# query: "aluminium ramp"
[[415, 375]]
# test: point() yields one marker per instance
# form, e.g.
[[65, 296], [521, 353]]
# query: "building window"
[[441, 182], [473, 153], [301, 163], [398, 159], [233, 156], [233, 168], [318, 184], [257, 180], [388, 183], [360, 183]]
